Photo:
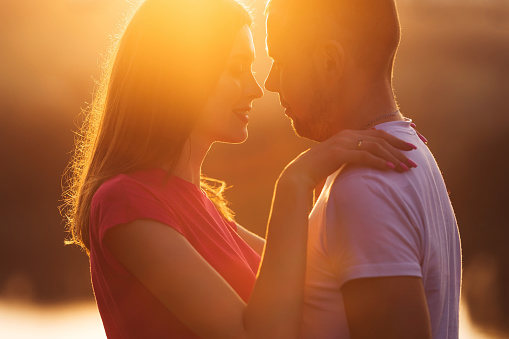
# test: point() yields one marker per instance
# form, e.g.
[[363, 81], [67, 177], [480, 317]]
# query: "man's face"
[[294, 77]]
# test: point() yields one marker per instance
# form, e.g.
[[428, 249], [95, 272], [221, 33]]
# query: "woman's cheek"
[[231, 89], [226, 93]]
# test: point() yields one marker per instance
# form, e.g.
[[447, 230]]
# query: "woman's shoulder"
[[114, 187], [121, 187], [146, 185]]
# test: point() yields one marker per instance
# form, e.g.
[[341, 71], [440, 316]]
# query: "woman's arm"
[[274, 310], [165, 262], [253, 240]]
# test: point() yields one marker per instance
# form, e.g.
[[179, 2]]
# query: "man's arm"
[[388, 307]]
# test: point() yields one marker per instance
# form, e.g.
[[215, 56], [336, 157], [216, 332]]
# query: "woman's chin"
[[235, 139]]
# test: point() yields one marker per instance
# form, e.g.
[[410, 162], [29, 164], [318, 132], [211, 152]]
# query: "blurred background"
[[451, 78]]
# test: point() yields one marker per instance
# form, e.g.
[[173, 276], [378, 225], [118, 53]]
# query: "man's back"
[[371, 224]]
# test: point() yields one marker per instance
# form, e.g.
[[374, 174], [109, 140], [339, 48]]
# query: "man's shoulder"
[[353, 179]]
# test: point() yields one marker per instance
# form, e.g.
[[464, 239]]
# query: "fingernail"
[[413, 164], [411, 145], [373, 128], [404, 167], [390, 165], [412, 125], [423, 138]]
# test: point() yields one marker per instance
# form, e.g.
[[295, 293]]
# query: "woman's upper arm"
[[256, 242], [166, 263]]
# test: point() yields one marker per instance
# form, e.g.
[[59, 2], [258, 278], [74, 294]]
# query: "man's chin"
[[305, 131]]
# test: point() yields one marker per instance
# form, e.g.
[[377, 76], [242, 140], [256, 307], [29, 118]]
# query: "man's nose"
[[256, 90], [272, 81]]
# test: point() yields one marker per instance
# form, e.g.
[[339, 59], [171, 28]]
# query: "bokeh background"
[[451, 78]]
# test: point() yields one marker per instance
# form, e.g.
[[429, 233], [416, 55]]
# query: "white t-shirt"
[[370, 223]]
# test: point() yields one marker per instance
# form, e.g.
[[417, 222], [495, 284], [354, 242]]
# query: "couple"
[[379, 256]]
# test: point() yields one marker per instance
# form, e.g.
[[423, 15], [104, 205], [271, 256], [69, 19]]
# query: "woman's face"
[[225, 114]]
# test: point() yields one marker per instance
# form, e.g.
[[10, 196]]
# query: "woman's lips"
[[242, 114]]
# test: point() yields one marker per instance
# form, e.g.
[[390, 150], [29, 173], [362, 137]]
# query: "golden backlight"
[[451, 78]]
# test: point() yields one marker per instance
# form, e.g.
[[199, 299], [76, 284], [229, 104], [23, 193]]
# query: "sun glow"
[[82, 321], [77, 321]]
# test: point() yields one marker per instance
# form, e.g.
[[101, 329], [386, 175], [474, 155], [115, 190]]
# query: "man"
[[384, 256]]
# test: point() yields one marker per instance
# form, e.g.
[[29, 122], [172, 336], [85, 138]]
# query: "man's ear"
[[332, 59]]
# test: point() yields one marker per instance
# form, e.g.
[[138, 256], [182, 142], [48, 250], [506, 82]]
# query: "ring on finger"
[[359, 143]]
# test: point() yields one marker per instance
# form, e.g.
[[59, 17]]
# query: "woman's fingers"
[[392, 140], [369, 159], [382, 145], [422, 137], [372, 148], [383, 150]]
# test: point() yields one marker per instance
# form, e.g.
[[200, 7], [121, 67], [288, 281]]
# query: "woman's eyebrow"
[[243, 56], [271, 53]]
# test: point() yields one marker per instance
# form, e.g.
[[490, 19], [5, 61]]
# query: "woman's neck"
[[191, 160]]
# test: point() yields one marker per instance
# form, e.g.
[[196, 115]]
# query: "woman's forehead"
[[243, 46]]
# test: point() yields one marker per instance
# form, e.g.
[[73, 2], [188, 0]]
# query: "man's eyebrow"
[[270, 51]]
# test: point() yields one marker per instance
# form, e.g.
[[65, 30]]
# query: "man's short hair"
[[368, 28]]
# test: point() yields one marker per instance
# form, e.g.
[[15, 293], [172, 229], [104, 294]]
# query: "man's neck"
[[371, 103]]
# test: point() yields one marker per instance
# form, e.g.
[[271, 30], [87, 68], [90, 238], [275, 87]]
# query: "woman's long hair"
[[153, 87]]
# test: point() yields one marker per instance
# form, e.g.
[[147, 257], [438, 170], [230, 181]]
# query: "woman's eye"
[[237, 68]]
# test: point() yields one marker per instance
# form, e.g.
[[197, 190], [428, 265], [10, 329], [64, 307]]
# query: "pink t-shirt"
[[128, 309]]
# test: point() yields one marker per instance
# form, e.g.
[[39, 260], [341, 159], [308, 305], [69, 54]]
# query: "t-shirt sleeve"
[[369, 232], [121, 201], [233, 227]]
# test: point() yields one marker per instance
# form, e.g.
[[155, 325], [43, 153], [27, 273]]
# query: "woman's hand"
[[279, 289], [422, 137], [372, 148]]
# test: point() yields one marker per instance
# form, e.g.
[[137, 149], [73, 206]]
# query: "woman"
[[167, 259]]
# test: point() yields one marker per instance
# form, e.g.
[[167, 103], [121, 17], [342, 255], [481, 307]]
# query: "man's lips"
[[282, 100], [285, 105], [288, 112]]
